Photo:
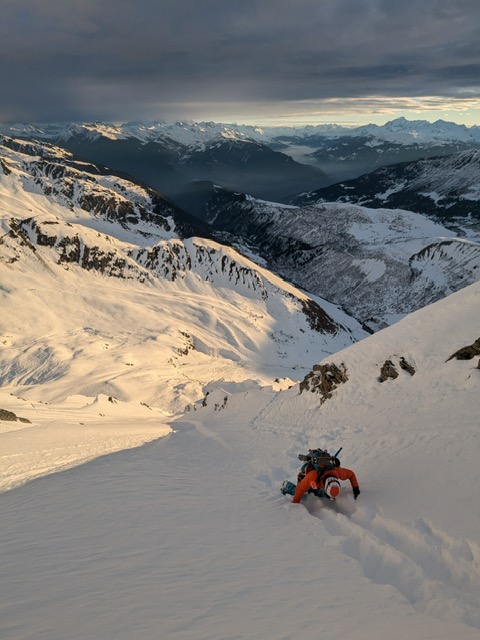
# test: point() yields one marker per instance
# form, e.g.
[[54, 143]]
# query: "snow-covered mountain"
[[378, 264], [400, 131], [406, 131], [170, 156], [189, 538], [445, 188], [241, 157], [184, 133], [347, 153], [102, 268]]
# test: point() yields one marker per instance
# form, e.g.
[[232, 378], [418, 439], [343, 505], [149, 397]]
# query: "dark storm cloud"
[[85, 59]]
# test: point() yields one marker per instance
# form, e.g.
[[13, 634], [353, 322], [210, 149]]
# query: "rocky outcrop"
[[5, 168], [468, 352], [406, 366], [324, 379], [73, 249], [388, 371], [318, 318], [9, 416]]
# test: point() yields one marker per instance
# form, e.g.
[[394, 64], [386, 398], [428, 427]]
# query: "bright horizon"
[[352, 113], [468, 118], [346, 120]]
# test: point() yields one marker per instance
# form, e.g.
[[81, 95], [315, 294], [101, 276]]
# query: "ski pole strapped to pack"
[[320, 458]]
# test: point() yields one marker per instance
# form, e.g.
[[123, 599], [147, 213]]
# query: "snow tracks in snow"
[[437, 574]]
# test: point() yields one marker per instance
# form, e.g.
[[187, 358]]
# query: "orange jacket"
[[310, 480]]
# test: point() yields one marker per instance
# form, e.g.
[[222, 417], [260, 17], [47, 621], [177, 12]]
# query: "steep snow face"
[[82, 252], [190, 537], [419, 417], [379, 264]]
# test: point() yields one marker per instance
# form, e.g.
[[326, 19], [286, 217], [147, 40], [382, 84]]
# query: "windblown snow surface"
[[188, 536]]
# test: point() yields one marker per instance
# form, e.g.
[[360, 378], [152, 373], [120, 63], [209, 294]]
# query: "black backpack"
[[319, 459]]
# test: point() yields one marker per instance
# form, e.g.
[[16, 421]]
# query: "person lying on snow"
[[320, 475]]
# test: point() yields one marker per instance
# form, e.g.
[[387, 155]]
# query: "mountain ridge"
[[399, 130], [444, 188], [372, 262], [127, 254]]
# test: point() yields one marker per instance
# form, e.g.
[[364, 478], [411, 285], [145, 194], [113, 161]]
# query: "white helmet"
[[332, 487]]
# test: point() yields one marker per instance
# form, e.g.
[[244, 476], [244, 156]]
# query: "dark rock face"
[[9, 416], [71, 249], [387, 371], [406, 366], [318, 318], [5, 168], [468, 352]]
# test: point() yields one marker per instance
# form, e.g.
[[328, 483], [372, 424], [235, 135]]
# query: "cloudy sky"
[[254, 61]]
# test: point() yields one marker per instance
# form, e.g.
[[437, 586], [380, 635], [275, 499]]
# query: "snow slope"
[[188, 537]]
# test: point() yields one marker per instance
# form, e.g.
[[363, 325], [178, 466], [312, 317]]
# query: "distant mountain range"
[[170, 157], [345, 153], [378, 266], [272, 163], [400, 131]]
